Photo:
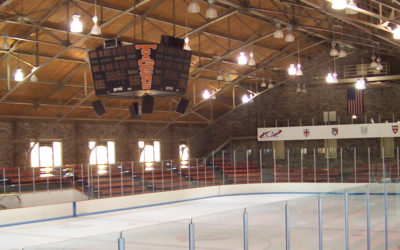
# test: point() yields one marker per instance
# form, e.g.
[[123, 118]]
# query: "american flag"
[[355, 101]]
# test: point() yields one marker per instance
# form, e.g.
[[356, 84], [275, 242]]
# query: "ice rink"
[[218, 225]]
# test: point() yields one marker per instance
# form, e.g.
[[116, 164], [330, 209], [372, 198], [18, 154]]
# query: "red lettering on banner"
[[271, 133], [146, 64]]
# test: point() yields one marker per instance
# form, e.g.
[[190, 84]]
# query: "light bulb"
[[353, 117], [211, 12], [373, 64], [379, 66], [194, 7], [292, 70], [360, 84], [206, 94], [33, 76], [263, 84], [245, 98], [299, 72], [334, 76], [329, 78], [252, 61], [339, 4], [270, 85], [19, 75], [242, 59], [187, 46], [76, 24], [96, 30], [342, 53], [289, 38], [333, 51]]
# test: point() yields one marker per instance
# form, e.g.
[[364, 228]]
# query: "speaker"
[[135, 110], [147, 104], [98, 108], [182, 105]]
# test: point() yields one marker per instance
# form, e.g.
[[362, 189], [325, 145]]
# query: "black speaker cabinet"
[[182, 105], [147, 104], [135, 110], [98, 108]]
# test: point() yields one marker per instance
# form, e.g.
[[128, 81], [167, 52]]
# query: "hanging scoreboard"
[[139, 69]]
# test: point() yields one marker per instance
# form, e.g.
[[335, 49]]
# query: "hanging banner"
[[329, 132]]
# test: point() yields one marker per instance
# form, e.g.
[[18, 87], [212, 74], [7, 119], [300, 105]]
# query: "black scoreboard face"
[[135, 70]]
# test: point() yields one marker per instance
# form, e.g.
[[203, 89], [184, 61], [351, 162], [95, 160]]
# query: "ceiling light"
[[76, 24], [339, 4], [220, 77], [187, 46], [263, 84], [351, 11], [270, 85], [333, 51], [299, 72], [211, 12], [194, 7], [5, 45], [353, 117], [96, 30], [396, 32], [19, 75], [34, 77], [206, 94], [289, 38], [278, 33], [252, 61], [298, 89], [379, 65], [245, 99], [304, 90], [373, 63], [360, 84], [342, 53], [331, 78], [242, 59], [292, 70], [213, 96]]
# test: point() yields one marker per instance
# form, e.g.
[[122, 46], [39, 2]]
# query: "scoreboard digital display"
[[138, 69]]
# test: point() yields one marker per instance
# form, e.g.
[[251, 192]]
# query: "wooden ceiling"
[[38, 33]]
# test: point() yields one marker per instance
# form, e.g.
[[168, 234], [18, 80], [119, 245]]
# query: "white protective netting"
[[9, 201]]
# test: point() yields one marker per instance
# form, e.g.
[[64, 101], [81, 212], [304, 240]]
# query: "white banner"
[[329, 132]]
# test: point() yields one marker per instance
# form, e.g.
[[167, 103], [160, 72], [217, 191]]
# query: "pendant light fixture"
[[373, 62], [278, 34], [206, 94], [333, 51], [263, 84], [299, 71], [339, 4], [242, 59], [379, 65], [18, 75], [342, 53], [211, 12], [5, 45], [34, 77], [220, 77], [227, 77], [289, 38], [396, 32], [193, 7], [350, 9], [76, 24], [304, 90], [252, 61], [96, 30], [270, 85], [360, 83], [186, 46], [332, 77], [245, 99], [298, 89]]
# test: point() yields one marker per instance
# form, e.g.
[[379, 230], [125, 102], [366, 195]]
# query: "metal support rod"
[[261, 166], [83, 184], [33, 179], [171, 179], [205, 171], [247, 165], [213, 168], [191, 235], [88, 181], [274, 165], [143, 177], [162, 176], [245, 231], [368, 218], [109, 180], [121, 242], [234, 166], [355, 165], [288, 165], [19, 180], [301, 166], [197, 172], [346, 221], [327, 164], [190, 180], [73, 176], [383, 164], [47, 183], [315, 166], [61, 175], [132, 178], [386, 217], [121, 178], [4, 180], [320, 223], [98, 182], [287, 226], [180, 174], [341, 165], [223, 167], [152, 178], [398, 165], [369, 164]]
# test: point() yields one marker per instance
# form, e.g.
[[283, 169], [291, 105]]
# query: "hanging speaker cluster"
[[182, 105], [98, 108]]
